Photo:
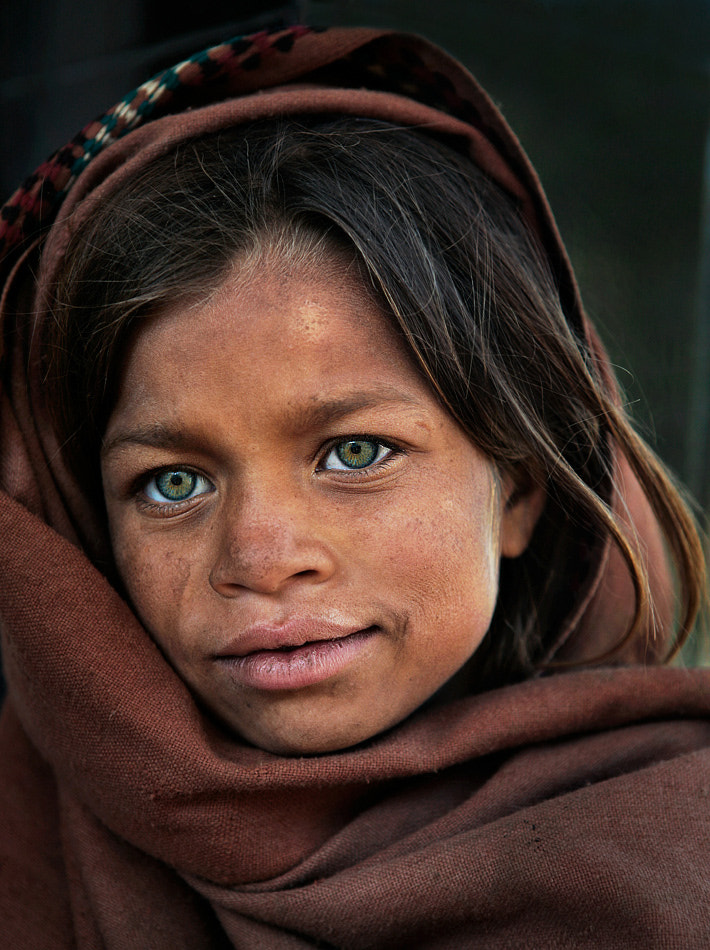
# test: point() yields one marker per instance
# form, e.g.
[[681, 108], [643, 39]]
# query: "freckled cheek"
[[422, 542], [158, 581], [441, 557]]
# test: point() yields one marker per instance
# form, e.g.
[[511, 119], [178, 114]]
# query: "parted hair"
[[465, 284]]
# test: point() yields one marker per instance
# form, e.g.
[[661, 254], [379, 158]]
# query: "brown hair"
[[468, 289]]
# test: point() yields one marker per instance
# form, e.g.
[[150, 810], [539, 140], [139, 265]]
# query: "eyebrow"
[[319, 412], [157, 435]]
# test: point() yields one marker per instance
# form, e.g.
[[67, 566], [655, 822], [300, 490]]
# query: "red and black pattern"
[[389, 63], [192, 82]]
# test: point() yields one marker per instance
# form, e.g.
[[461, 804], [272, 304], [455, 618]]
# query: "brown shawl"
[[566, 811]]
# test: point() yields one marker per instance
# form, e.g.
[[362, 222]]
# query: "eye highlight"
[[355, 454], [176, 485]]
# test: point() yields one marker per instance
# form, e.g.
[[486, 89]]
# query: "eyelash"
[[167, 507], [366, 471]]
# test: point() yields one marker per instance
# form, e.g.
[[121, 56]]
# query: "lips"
[[286, 636], [293, 655]]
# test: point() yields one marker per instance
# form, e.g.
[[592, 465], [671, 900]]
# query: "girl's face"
[[309, 537]]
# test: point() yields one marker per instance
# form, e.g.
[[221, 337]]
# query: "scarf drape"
[[566, 811]]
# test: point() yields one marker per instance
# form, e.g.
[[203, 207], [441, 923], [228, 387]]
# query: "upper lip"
[[292, 633]]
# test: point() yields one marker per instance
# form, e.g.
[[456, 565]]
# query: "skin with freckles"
[[308, 535]]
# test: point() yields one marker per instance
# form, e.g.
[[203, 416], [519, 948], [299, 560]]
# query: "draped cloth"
[[571, 810]]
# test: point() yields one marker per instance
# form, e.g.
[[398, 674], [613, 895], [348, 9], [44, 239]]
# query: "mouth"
[[299, 661]]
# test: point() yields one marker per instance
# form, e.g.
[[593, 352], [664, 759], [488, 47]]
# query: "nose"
[[267, 542]]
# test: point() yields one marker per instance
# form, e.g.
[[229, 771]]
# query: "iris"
[[176, 486], [357, 453]]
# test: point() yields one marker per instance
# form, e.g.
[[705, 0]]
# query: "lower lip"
[[303, 666]]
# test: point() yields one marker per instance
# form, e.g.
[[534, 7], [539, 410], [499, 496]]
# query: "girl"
[[336, 583]]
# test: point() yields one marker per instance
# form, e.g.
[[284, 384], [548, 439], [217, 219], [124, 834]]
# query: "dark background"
[[609, 97]]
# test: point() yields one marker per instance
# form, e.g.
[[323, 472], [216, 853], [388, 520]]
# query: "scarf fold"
[[566, 811]]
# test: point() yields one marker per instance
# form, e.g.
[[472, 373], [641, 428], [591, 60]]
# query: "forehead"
[[276, 331]]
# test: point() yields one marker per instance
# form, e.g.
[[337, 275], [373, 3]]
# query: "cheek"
[[442, 554], [461, 594], [157, 579]]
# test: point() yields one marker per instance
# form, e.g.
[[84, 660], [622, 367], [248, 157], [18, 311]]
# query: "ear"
[[523, 502]]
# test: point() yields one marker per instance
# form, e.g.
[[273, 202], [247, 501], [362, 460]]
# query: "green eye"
[[176, 485], [355, 454]]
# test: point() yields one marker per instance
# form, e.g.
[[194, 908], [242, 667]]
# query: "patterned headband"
[[34, 205]]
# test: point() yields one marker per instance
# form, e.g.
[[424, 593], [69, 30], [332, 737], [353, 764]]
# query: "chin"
[[300, 744], [293, 738]]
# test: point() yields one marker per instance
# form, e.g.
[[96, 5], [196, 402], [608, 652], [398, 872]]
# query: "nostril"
[[229, 579]]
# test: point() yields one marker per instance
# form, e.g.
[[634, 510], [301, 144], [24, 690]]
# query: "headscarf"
[[565, 811]]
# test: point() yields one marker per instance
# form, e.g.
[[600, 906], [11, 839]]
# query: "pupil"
[[355, 448], [176, 480]]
